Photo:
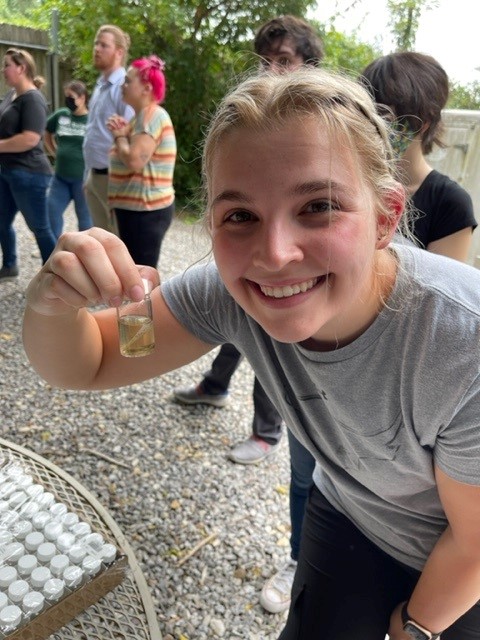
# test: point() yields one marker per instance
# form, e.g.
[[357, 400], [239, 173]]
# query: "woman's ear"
[[387, 221]]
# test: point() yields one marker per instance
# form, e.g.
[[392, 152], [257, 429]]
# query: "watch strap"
[[407, 618]]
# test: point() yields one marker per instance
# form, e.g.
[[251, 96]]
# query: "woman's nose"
[[276, 247]]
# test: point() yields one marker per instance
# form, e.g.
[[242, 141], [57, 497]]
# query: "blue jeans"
[[61, 192], [26, 192], [302, 464]]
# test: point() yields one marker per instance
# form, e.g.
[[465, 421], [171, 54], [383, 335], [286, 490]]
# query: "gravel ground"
[[183, 489]]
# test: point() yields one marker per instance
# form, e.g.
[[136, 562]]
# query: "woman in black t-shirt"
[[25, 170], [412, 88]]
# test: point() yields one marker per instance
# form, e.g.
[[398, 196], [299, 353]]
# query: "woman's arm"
[[20, 142], [450, 582], [73, 348], [456, 245], [50, 144], [135, 151]]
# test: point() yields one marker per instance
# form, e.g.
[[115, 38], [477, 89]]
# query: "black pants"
[[143, 232], [346, 588], [267, 423]]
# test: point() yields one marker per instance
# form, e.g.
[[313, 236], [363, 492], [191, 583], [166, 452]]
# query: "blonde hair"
[[265, 101], [121, 39]]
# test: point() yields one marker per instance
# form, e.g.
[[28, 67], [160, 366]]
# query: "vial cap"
[[21, 529], [3, 599], [10, 616], [77, 553], [58, 564], [7, 576], [5, 536], [81, 529], [72, 577], [69, 520], [65, 541], [108, 553], [39, 576], [33, 602], [27, 564], [34, 490], [45, 500], [13, 552], [17, 590], [91, 565], [53, 589], [52, 530], [46, 551], [17, 498], [58, 510], [41, 519], [94, 540], [34, 540], [29, 509]]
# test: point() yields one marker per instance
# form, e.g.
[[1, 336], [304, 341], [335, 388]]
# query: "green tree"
[[205, 44], [465, 96], [404, 19]]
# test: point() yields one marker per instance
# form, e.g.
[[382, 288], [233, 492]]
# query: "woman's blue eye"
[[319, 206]]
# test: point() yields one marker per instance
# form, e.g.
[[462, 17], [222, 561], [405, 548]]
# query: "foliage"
[[465, 96], [346, 53], [404, 19]]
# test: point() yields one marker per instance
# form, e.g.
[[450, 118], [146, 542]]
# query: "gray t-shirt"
[[377, 413]]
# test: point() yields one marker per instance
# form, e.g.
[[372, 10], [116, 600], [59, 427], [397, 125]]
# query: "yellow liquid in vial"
[[136, 336]]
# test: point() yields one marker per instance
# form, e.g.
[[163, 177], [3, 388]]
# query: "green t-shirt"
[[69, 131]]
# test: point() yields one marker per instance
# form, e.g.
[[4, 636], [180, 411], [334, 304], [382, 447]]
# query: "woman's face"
[[11, 71], [79, 100], [294, 233], [133, 88]]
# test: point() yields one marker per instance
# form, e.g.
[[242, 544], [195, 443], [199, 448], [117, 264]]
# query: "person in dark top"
[[411, 90], [25, 170]]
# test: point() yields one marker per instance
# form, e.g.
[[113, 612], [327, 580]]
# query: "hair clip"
[[156, 63]]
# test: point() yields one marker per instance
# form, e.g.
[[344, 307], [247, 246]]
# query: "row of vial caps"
[[46, 551]]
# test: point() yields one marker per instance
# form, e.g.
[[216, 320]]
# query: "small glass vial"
[[65, 541], [108, 553], [34, 540], [91, 565], [135, 325]]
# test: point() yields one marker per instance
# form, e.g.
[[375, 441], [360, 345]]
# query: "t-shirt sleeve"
[[34, 113], [200, 302], [457, 448], [153, 126]]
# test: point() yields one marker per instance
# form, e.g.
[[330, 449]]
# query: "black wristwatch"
[[414, 630]]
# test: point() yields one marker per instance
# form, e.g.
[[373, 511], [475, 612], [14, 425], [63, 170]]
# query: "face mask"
[[401, 135], [70, 103]]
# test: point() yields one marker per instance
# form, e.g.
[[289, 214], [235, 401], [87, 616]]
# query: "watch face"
[[414, 632]]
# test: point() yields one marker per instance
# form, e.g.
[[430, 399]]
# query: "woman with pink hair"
[[142, 163]]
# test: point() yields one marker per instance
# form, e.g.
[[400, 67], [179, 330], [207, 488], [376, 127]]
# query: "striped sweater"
[[152, 187]]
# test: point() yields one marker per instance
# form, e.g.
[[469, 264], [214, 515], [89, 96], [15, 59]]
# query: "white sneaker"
[[276, 592]]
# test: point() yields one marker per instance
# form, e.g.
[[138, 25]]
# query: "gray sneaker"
[[251, 451], [195, 395], [276, 592]]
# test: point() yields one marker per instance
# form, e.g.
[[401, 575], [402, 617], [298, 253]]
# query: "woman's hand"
[[118, 126], [87, 268]]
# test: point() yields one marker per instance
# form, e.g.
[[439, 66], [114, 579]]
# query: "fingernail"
[[137, 293]]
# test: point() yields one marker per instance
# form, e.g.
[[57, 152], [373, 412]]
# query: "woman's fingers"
[[86, 268]]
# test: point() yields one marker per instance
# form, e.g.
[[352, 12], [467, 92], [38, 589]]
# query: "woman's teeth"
[[290, 290]]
